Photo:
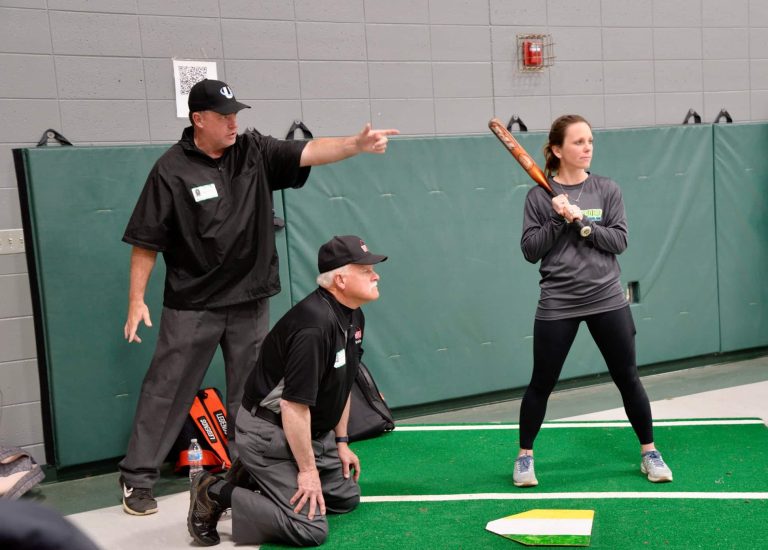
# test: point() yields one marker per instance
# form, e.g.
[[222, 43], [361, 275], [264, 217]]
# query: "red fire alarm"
[[533, 56], [535, 52]]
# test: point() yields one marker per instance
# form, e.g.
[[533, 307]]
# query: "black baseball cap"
[[214, 95], [343, 250]]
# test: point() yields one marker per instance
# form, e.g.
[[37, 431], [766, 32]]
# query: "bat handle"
[[583, 227]]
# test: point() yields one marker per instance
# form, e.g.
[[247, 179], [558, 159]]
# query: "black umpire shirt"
[[213, 221], [310, 357]]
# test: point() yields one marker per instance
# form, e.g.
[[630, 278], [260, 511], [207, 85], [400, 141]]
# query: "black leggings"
[[614, 334]]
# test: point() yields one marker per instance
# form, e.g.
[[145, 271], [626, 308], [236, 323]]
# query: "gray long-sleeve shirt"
[[579, 276]]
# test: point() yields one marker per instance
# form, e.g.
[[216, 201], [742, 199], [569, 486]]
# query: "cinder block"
[[680, 13], [190, 37], [339, 117], [678, 76], [92, 121], [7, 169], [517, 12], [16, 31], [198, 8], [463, 79], [576, 77], [264, 79], [534, 111], [627, 13], [758, 14], [11, 264], [585, 13], [758, 104], [164, 126], [626, 77], [591, 107], [334, 79], [410, 116], [100, 77], [671, 108], [736, 103], [627, 44], [463, 115], [27, 76], [577, 44], [677, 43], [104, 6], [726, 75], [25, 120], [28, 4], [459, 12], [257, 9], [456, 43], [158, 78], [337, 11], [10, 212], [19, 382], [400, 80], [758, 43], [629, 110], [15, 300], [259, 39], [398, 42], [397, 11], [272, 118], [509, 81], [758, 74], [75, 33], [331, 41], [22, 425], [726, 43], [17, 339], [734, 13]]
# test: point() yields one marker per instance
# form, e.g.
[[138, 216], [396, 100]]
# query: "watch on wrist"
[[344, 439]]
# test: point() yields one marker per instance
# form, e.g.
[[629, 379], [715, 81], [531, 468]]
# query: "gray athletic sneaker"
[[524, 475], [653, 465]]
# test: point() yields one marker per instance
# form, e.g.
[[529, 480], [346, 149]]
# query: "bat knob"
[[585, 231]]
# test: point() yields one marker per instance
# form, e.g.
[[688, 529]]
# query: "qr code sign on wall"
[[187, 73]]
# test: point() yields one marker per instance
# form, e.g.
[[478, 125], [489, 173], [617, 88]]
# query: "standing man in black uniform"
[[292, 427], [207, 206]]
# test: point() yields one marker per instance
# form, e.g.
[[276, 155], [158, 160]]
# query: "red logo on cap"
[[362, 245]]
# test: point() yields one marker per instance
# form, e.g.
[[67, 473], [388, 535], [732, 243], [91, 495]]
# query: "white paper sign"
[[187, 73]]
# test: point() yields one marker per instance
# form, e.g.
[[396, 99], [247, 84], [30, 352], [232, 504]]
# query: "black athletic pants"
[[614, 334]]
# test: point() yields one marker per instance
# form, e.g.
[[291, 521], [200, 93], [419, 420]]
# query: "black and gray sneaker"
[[137, 501], [204, 512]]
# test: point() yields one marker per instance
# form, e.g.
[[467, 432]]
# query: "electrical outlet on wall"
[[11, 241]]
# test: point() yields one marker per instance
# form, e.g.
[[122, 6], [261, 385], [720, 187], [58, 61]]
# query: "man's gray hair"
[[325, 280]]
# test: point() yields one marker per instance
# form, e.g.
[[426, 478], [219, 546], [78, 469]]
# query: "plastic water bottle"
[[195, 459]]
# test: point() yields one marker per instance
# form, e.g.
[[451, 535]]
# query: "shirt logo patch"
[[594, 214], [204, 192], [358, 335], [341, 359]]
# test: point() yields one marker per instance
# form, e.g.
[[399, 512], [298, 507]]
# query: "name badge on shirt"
[[204, 192], [341, 359]]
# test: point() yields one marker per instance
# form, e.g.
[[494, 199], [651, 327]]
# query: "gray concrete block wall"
[[101, 73]]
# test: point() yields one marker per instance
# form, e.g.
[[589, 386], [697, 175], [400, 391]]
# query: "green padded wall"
[[741, 176], [76, 202], [457, 298]]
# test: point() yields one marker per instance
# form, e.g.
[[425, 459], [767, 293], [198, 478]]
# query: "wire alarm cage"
[[535, 52]]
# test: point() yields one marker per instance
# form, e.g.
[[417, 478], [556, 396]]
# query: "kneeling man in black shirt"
[[294, 460]]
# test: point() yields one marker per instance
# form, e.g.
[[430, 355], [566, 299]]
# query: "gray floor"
[[716, 391]]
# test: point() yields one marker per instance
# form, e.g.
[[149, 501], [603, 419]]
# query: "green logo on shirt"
[[594, 214]]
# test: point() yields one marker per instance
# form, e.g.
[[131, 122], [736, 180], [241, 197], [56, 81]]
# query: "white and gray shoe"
[[524, 475], [655, 468]]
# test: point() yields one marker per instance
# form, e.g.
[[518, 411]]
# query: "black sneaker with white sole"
[[137, 501]]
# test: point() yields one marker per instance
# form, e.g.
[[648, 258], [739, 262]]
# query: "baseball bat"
[[530, 166]]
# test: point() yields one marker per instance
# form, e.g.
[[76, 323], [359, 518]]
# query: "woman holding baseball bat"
[[579, 282]]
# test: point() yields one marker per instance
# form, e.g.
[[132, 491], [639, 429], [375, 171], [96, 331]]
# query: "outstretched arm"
[[297, 422], [142, 262], [327, 150], [347, 457]]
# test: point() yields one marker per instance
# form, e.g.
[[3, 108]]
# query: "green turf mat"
[[720, 458], [618, 524]]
